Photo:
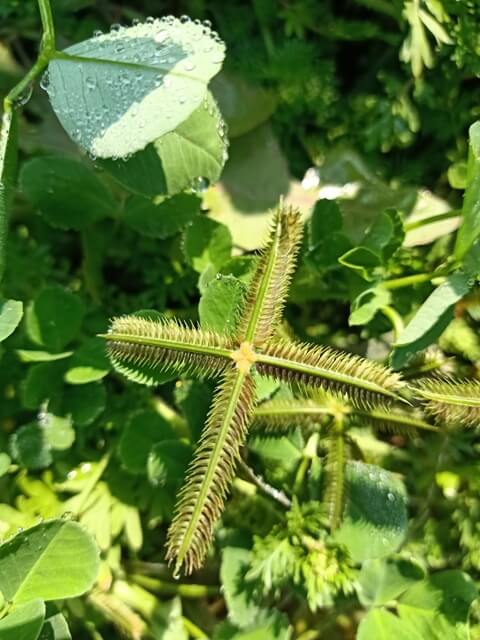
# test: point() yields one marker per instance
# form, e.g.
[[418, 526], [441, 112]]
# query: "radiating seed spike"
[[268, 287], [334, 371], [201, 499]]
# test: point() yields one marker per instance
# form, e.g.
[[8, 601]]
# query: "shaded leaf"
[[54, 317], [24, 622], [375, 518], [65, 191], [197, 148], [161, 219], [220, 303]]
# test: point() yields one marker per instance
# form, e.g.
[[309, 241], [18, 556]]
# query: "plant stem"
[[439, 217], [48, 40], [267, 489], [395, 319], [47, 49], [192, 629], [417, 278], [162, 587]]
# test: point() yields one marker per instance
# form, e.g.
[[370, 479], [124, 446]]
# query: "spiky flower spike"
[[451, 402], [141, 349]]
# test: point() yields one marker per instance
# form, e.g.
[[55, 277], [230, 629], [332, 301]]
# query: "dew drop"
[[45, 81], [91, 83], [200, 184], [149, 19], [115, 28], [390, 496]]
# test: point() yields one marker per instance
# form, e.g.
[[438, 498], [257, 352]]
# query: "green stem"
[[395, 319], [439, 217], [47, 49], [161, 587], [417, 278], [48, 40], [192, 629]]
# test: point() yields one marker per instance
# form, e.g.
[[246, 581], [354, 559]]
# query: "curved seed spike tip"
[[451, 402], [144, 349], [268, 288], [201, 499], [363, 382]]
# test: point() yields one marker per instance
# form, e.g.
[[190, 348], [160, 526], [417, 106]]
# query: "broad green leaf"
[[256, 174], [29, 447], [24, 622], [449, 593], [142, 431], [375, 519], [84, 403], [432, 318], [220, 304], [54, 317], [163, 218], [197, 148], [470, 227], [167, 463], [44, 381], [243, 105], [207, 242], [366, 305], [243, 606], [362, 260], [55, 628], [84, 375], [255, 177], [167, 623], [326, 219], [30, 355], [5, 463], [65, 191], [59, 432], [8, 168], [194, 397], [11, 312], [134, 84], [379, 624], [381, 581], [53, 560], [272, 627], [435, 608]]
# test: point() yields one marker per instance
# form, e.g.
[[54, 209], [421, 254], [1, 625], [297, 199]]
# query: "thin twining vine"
[[142, 349]]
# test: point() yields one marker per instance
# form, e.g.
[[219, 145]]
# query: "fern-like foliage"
[[145, 350], [451, 402]]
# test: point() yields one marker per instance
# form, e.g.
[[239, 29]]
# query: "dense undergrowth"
[[332, 489]]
